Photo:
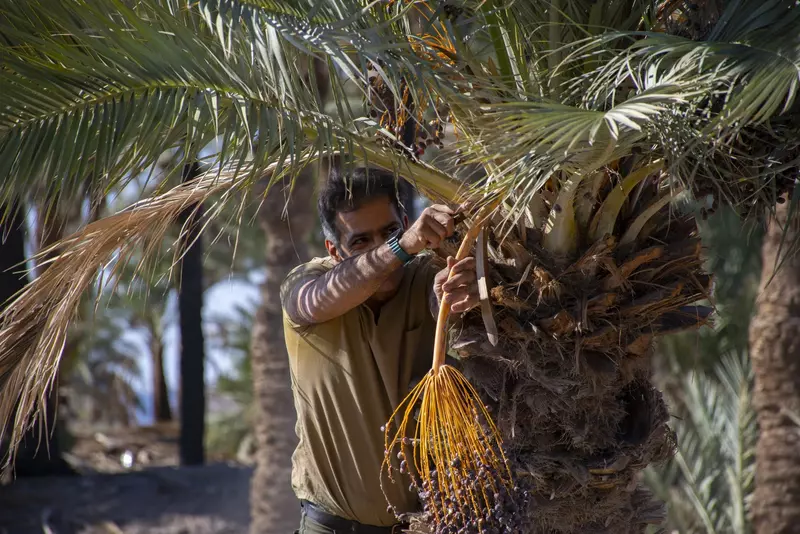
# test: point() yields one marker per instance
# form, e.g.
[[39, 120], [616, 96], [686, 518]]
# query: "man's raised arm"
[[320, 298]]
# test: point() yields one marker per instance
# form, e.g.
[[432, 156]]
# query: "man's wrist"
[[398, 251], [407, 243]]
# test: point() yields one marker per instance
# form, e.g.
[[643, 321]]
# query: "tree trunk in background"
[[12, 252], [162, 411], [775, 352], [192, 355], [39, 453], [274, 507]]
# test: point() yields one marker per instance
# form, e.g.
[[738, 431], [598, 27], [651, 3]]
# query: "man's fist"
[[462, 288], [434, 225]]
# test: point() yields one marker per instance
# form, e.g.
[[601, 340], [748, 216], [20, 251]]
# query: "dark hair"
[[348, 192]]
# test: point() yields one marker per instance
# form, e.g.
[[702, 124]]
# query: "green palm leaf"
[[713, 470], [752, 58], [106, 92]]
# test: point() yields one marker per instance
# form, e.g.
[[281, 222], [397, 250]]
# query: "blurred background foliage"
[[707, 378], [230, 432]]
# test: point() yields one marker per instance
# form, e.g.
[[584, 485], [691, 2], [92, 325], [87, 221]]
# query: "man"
[[359, 324]]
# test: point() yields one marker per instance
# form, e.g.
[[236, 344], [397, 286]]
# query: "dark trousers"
[[309, 526]]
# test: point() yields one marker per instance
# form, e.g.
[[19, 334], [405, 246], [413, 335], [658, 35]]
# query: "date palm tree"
[[774, 350], [604, 128]]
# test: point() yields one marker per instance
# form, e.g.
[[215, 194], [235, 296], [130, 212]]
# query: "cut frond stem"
[[482, 268], [561, 230]]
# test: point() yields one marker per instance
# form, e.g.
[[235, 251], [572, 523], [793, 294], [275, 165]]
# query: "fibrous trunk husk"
[[568, 384]]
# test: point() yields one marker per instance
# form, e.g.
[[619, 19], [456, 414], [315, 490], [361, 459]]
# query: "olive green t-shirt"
[[348, 375]]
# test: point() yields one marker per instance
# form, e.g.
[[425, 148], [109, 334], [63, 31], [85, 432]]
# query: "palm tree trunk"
[[273, 505], [192, 359], [12, 252], [161, 408], [39, 453], [775, 352]]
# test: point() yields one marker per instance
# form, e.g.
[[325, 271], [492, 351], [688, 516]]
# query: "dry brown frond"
[[33, 327]]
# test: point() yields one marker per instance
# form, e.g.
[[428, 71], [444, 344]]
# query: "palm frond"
[[235, 71], [570, 135], [708, 484], [757, 77], [102, 89], [34, 329], [701, 105]]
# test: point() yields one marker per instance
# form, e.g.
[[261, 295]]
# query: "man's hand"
[[461, 288], [434, 225]]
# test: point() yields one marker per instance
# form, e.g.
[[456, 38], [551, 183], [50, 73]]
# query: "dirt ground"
[[157, 500]]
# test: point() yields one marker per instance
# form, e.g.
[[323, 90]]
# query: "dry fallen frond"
[[33, 328]]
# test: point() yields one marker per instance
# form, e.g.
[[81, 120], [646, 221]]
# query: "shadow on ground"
[[212, 499]]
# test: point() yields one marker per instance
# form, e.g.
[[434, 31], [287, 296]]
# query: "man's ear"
[[333, 251]]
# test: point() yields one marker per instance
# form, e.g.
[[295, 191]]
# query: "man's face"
[[365, 229]]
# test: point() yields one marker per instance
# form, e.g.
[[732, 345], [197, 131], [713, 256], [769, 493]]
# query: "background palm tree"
[[98, 373], [287, 221], [274, 508], [774, 334], [588, 125], [230, 434], [192, 387]]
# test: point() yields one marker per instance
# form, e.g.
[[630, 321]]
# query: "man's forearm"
[[347, 285]]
